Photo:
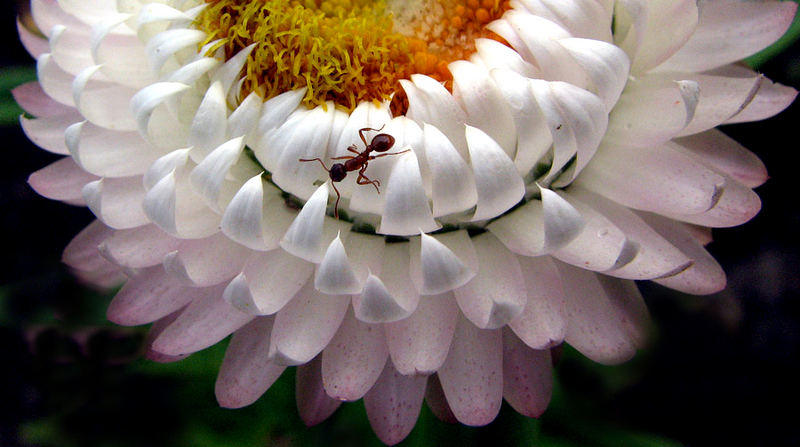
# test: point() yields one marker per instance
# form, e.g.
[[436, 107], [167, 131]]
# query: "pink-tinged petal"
[[267, 282], [206, 262], [306, 325], [736, 205], [313, 403], [354, 359], [48, 13], [419, 344], [729, 31], [705, 276], [70, 48], [140, 247], [496, 295], [129, 155], [34, 44], [35, 101], [117, 201], [49, 132], [771, 99], [155, 330], [150, 295], [722, 153], [542, 323], [472, 375], [206, 321], [660, 179], [393, 404], [119, 53], [594, 325], [648, 255], [246, 372], [105, 277], [434, 397], [624, 295], [82, 253], [527, 376], [62, 180]]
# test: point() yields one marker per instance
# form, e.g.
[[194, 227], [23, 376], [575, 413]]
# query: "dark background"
[[721, 370]]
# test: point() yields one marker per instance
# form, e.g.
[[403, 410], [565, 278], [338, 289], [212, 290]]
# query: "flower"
[[543, 155]]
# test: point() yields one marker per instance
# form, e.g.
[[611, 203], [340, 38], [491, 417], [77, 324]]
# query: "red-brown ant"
[[338, 171]]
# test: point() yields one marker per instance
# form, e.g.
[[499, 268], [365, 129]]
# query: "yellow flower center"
[[346, 51]]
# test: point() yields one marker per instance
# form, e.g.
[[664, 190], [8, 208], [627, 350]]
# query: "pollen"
[[346, 51]]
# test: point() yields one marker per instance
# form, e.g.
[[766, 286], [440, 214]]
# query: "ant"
[[338, 171]]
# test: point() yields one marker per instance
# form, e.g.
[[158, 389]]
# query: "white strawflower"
[[535, 157]]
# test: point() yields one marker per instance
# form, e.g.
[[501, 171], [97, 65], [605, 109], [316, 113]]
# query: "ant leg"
[[352, 148], [336, 205], [343, 157], [316, 159], [361, 133], [364, 180], [372, 157]]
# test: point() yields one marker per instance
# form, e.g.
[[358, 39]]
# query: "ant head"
[[382, 142], [338, 172]]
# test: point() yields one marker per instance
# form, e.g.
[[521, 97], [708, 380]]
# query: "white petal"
[[406, 209], [231, 70], [304, 237], [146, 100], [539, 226], [729, 31], [430, 102], [577, 121], [583, 18], [606, 65], [257, 217], [533, 134], [334, 274], [496, 295], [213, 178], [210, 122], [103, 103], [453, 185], [48, 132], [443, 262], [486, 108], [33, 43], [498, 184], [120, 54], [390, 297], [56, 82], [164, 45]]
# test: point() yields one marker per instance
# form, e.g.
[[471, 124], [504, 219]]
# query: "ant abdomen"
[[382, 142]]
